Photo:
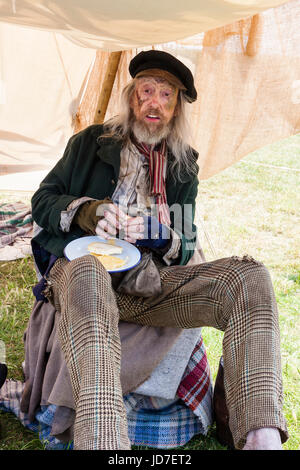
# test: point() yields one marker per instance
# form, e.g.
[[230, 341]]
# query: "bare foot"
[[263, 439]]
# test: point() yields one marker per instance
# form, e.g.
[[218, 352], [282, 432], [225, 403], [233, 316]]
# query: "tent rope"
[[63, 65], [209, 240], [271, 166]]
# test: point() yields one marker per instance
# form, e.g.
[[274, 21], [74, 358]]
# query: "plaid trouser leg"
[[89, 336], [236, 296]]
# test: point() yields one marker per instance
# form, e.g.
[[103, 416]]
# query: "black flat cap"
[[163, 60]]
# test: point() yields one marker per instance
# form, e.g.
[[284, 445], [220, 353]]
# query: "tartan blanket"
[[152, 421], [16, 227]]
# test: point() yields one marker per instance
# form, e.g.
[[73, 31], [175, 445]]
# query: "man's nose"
[[154, 101]]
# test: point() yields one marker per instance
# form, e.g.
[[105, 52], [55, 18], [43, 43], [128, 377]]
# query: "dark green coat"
[[90, 167]]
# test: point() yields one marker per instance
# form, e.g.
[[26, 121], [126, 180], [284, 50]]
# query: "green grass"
[[255, 210], [247, 208]]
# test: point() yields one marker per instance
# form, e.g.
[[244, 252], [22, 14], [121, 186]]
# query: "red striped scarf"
[[157, 166]]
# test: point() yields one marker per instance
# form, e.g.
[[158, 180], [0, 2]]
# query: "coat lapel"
[[109, 152]]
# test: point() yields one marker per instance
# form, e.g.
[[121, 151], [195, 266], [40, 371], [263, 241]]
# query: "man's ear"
[[130, 101], [132, 96], [176, 110]]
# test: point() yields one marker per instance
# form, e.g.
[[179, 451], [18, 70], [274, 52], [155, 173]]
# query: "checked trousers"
[[233, 294]]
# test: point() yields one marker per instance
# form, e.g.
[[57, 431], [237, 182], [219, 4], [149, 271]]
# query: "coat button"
[[113, 181]]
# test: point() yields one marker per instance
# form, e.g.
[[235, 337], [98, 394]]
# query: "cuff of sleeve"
[[174, 251], [67, 216]]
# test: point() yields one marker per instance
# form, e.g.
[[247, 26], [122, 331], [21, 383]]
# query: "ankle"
[[267, 438]]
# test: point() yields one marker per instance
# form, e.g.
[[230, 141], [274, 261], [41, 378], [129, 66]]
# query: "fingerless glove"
[[89, 214]]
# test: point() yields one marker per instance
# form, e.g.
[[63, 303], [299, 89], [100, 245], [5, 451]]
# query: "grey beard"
[[143, 134]]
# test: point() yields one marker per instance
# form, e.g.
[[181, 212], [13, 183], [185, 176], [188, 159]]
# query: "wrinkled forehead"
[[160, 77], [157, 82]]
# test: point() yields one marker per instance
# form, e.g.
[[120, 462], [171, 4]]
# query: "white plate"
[[78, 248]]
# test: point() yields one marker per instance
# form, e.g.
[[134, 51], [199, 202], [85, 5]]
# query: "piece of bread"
[[102, 248], [110, 262]]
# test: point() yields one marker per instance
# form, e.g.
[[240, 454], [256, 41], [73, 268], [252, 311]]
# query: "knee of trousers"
[[87, 285], [249, 281], [246, 267], [89, 266]]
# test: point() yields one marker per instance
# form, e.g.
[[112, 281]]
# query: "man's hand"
[[115, 220], [133, 229], [142, 231]]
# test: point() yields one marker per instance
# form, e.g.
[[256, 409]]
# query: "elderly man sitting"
[[135, 178]]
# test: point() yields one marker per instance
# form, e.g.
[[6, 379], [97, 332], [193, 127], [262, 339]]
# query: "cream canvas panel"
[[125, 24], [42, 76], [248, 78]]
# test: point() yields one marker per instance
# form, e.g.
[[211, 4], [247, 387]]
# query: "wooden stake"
[[111, 71], [96, 98]]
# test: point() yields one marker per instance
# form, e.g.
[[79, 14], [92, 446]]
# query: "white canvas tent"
[[244, 54]]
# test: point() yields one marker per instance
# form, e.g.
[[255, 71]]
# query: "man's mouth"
[[152, 117]]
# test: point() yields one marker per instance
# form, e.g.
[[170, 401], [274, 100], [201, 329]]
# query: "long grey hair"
[[120, 127]]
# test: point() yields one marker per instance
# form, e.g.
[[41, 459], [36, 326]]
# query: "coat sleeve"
[[184, 226], [53, 197]]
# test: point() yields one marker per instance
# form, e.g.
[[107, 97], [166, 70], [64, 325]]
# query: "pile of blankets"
[[16, 229]]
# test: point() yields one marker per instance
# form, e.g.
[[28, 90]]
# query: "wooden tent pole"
[[95, 101], [111, 71]]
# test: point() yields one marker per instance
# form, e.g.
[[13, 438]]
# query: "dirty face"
[[153, 104]]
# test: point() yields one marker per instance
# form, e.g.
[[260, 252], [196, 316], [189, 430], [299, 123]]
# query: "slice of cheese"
[[101, 248], [110, 262]]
